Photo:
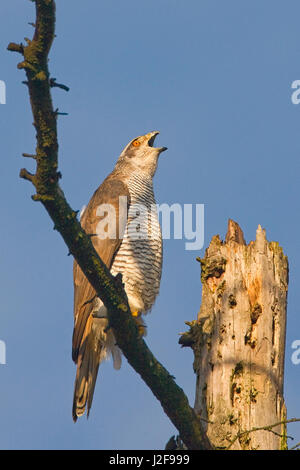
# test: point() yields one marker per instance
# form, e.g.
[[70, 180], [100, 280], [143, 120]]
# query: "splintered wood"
[[239, 341]]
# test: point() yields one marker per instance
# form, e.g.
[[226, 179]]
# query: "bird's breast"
[[139, 258]]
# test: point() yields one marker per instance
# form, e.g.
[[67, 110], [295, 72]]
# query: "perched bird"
[[123, 220]]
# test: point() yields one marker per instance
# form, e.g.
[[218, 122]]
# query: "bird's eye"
[[136, 143]]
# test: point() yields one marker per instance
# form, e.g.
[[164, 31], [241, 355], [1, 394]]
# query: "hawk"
[[122, 219]]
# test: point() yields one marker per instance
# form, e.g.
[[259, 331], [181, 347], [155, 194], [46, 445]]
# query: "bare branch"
[[26, 175], [29, 155], [296, 446], [263, 428], [58, 85], [12, 46]]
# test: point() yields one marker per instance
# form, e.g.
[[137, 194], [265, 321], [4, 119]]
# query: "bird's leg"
[[100, 313], [100, 318]]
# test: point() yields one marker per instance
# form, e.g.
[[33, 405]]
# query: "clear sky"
[[215, 78]]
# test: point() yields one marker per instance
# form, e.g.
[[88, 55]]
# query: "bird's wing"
[[108, 193]]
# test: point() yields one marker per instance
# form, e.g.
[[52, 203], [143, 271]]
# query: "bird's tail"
[[95, 348]]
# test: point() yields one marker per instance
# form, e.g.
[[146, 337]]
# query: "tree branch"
[[48, 192], [53, 84], [12, 46], [268, 428]]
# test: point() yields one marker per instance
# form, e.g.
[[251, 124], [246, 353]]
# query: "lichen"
[[253, 394], [221, 288], [283, 440], [212, 267], [193, 336]]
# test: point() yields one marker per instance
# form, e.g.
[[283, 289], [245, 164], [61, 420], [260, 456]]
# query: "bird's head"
[[141, 154]]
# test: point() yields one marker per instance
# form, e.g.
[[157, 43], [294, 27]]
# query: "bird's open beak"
[[151, 138]]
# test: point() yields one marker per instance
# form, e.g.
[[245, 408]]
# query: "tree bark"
[[239, 342]]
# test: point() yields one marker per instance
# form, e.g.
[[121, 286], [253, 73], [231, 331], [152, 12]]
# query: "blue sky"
[[215, 78]]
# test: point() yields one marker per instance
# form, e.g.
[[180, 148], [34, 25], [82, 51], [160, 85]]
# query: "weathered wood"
[[239, 341]]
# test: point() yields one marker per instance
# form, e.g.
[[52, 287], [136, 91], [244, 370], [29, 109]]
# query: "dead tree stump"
[[239, 341]]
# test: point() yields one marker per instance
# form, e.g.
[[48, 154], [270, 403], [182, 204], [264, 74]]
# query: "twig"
[[263, 428], [295, 446], [26, 175], [29, 155], [53, 83], [12, 46]]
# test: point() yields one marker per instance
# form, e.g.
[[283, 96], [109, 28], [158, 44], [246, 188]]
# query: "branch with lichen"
[[48, 192]]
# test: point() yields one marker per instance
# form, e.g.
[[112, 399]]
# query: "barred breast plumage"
[[139, 258]]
